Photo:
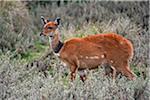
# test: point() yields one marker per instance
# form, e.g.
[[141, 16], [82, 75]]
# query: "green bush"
[[129, 19], [16, 26], [37, 74], [17, 81]]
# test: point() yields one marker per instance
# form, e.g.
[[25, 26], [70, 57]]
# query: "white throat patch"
[[49, 39], [57, 54]]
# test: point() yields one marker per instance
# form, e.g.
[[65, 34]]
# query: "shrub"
[[19, 82], [16, 28]]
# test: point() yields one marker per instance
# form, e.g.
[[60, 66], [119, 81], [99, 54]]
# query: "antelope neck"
[[58, 47], [56, 43]]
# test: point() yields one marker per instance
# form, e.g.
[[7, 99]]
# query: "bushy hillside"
[[29, 69], [16, 26]]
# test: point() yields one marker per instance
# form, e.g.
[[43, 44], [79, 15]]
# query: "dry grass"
[[21, 82], [16, 28], [34, 76]]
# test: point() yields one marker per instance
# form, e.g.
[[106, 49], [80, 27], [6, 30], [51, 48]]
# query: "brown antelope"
[[91, 51]]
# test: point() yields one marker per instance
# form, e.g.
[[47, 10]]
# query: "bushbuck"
[[91, 51]]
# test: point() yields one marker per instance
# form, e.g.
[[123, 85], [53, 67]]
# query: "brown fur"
[[90, 52]]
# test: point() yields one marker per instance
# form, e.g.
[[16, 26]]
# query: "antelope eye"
[[50, 27]]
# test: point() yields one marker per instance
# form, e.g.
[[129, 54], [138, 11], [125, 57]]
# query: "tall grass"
[[129, 19], [38, 74], [16, 26], [21, 82]]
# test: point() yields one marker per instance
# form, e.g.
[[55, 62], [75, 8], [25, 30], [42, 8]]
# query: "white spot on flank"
[[81, 56], [91, 57], [86, 57], [94, 57], [121, 42], [111, 61], [102, 56]]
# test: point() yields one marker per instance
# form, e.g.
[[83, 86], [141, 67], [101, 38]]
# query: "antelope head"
[[49, 26], [50, 30]]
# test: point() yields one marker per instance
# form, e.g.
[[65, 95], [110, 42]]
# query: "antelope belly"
[[88, 63]]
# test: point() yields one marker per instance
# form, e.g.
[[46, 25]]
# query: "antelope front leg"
[[114, 73], [73, 72]]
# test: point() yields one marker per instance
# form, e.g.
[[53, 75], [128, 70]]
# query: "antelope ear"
[[43, 20], [57, 20]]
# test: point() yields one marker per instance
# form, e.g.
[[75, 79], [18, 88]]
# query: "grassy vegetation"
[[34, 53], [29, 69]]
